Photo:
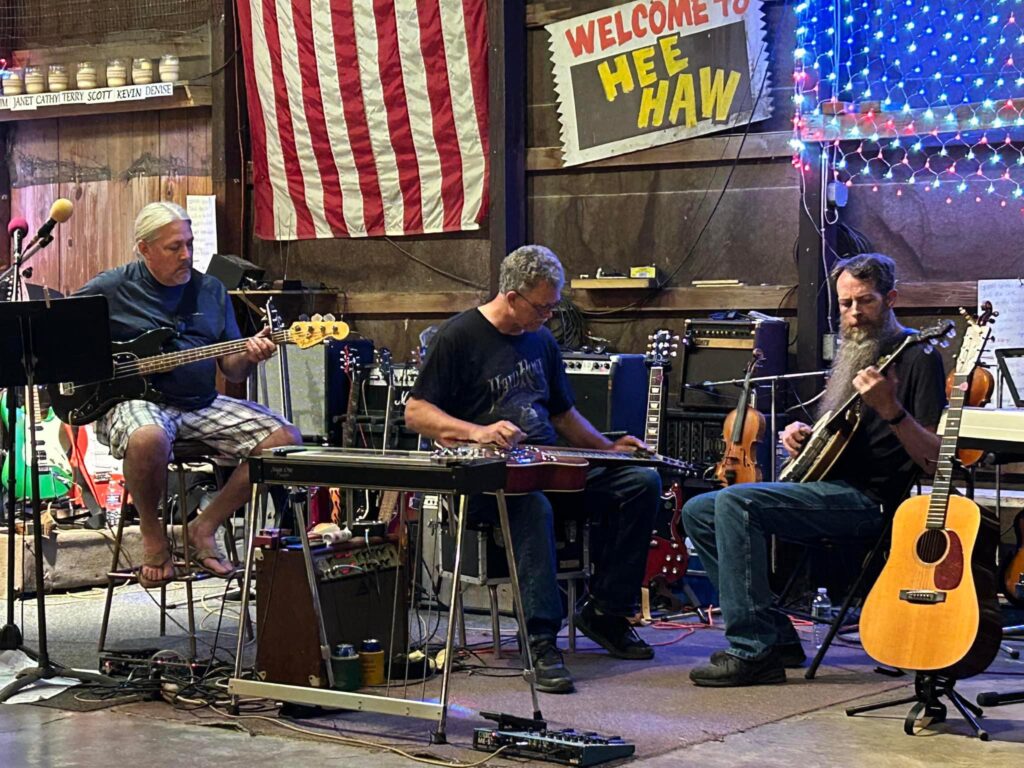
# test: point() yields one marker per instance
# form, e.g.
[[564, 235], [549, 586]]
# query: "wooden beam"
[[506, 34], [226, 161], [772, 298], [441, 303], [709, 149], [5, 200], [815, 255]]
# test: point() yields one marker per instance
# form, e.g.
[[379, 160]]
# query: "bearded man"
[[894, 442]]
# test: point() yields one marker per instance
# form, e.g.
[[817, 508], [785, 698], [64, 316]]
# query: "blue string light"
[[904, 91]]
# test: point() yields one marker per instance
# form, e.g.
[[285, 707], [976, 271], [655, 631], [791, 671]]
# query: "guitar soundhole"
[[931, 546]]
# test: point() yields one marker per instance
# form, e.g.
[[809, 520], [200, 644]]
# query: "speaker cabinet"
[[719, 350], [611, 390], [356, 590], [307, 383]]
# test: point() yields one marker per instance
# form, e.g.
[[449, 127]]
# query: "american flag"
[[368, 117]]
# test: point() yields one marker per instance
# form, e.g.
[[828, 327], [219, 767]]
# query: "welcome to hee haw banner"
[[652, 72]]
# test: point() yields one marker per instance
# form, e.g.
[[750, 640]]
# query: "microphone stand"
[[11, 638]]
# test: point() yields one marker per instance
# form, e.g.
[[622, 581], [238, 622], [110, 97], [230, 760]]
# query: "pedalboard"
[[567, 747]]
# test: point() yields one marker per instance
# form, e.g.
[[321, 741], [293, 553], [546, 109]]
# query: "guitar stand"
[[928, 707]]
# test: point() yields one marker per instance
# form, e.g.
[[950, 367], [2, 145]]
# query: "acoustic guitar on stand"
[[934, 605]]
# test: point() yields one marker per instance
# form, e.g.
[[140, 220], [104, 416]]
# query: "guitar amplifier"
[[403, 377], [694, 435], [717, 350], [610, 389], [355, 587]]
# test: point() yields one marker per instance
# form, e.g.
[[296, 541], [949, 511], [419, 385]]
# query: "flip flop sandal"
[[210, 553], [158, 559]]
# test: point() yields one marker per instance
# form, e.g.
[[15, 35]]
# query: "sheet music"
[[1007, 297], [203, 211]]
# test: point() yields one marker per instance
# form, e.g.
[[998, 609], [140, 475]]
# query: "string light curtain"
[[914, 92]]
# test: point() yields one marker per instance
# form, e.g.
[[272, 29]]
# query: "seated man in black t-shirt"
[[895, 440], [160, 289], [494, 375]]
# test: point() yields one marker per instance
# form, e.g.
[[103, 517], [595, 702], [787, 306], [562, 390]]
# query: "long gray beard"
[[859, 348]]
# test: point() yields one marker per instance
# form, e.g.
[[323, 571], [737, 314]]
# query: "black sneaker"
[[613, 633], [550, 674], [733, 671], [791, 655]]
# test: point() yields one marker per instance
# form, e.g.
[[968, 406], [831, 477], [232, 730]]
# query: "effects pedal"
[[568, 746]]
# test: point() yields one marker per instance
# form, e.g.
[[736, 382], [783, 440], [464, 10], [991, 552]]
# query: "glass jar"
[[85, 75], [57, 77], [169, 68], [13, 82], [35, 79], [142, 71], [117, 73]]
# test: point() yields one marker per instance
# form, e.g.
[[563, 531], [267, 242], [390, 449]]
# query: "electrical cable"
[[432, 268]]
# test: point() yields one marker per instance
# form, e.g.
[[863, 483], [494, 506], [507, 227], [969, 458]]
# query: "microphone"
[[60, 212], [17, 229]]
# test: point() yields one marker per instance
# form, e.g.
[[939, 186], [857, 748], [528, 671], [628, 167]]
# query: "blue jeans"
[[618, 563], [730, 529]]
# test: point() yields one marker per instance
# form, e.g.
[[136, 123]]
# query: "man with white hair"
[[160, 289], [494, 374]]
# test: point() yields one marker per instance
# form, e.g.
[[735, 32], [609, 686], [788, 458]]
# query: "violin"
[[743, 430]]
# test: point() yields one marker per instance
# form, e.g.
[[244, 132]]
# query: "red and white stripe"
[[368, 117]]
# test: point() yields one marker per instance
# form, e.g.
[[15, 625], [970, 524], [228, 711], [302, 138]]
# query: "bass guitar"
[[134, 360], [55, 473], [933, 608], [834, 430]]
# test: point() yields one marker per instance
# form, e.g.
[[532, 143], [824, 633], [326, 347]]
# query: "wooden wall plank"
[[33, 166]]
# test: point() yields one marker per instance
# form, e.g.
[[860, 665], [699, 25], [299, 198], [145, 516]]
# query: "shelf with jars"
[[115, 75]]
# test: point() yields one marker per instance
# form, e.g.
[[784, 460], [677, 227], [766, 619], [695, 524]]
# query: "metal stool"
[[185, 454]]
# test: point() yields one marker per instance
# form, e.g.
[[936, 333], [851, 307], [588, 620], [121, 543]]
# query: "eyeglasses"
[[540, 309]]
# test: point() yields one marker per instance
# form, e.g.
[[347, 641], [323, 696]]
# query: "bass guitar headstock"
[[317, 329], [661, 348]]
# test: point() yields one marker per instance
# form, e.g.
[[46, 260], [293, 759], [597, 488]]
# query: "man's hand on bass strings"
[[260, 347]]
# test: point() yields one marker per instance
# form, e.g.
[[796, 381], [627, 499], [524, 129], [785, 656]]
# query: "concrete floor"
[[39, 737], [36, 737]]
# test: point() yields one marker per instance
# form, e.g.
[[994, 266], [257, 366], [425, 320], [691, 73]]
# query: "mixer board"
[[568, 747]]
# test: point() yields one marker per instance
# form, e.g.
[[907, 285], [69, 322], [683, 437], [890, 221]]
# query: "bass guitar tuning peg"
[[951, 333]]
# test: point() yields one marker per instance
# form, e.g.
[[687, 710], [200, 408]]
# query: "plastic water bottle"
[[821, 614], [115, 489]]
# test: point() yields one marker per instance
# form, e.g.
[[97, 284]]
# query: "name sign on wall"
[[92, 96], [651, 72]]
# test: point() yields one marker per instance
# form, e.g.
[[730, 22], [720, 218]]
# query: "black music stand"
[[46, 342]]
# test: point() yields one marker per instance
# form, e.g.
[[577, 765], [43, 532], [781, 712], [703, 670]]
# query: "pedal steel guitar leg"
[[255, 502], [517, 601], [439, 737]]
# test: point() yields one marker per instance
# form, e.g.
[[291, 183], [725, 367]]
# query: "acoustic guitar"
[[834, 430], [934, 605], [134, 360]]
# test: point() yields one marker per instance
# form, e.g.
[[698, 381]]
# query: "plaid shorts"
[[233, 427]]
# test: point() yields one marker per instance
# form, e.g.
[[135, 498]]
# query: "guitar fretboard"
[[167, 362], [943, 481], [652, 427]]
